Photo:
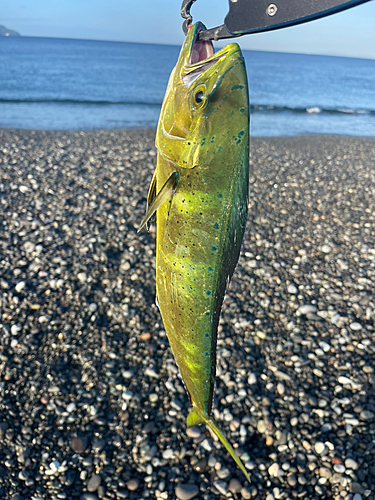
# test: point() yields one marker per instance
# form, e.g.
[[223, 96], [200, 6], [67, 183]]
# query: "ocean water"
[[50, 83]]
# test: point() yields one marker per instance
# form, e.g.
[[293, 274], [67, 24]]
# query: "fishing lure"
[[199, 192]]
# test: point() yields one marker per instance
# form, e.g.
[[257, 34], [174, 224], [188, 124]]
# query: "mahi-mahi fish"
[[199, 192]]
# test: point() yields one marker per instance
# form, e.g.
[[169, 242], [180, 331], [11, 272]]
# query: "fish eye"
[[198, 97]]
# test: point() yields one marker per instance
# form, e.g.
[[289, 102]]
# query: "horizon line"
[[176, 45]]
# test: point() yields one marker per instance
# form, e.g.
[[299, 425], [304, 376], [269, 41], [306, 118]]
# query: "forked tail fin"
[[196, 417]]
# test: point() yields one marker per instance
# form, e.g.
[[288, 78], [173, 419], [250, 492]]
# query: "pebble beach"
[[91, 403]]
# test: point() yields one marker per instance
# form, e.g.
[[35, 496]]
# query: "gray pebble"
[[234, 486], [351, 464], [339, 468], [132, 484], [168, 453], [186, 491], [319, 447], [245, 493], [356, 488], [307, 309], [78, 444], [221, 486], [94, 482], [88, 496]]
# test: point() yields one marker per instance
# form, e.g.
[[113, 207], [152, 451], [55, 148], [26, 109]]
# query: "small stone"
[[20, 286], [186, 491], [132, 484], [94, 483], [344, 381], [357, 496], [245, 493], [88, 496], [282, 376], [153, 397], [168, 453], [15, 329], [280, 388], [82, 277], [292, 480], [325, 472], [355, 326], [221, 486], [78, 444], [273, 470], [194, 432], [351, 464], [234, 486], [71, 407], [356, 488], [366, 415], [292, 289], [200, 466], [307, 309], [252, 379], [326, 249], [339, 468], [319, 447], [306, 445], [29, 247]]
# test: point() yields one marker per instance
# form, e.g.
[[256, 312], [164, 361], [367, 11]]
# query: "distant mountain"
[[5, 32]]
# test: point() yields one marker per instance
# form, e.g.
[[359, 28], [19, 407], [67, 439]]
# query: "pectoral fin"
[[150, 197], [164, 195]]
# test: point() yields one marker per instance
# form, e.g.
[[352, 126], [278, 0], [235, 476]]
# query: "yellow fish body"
[[199, 192]]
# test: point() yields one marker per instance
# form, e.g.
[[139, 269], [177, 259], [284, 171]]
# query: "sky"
[[350, 33]]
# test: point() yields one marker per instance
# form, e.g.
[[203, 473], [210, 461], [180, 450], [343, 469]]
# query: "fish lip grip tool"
[[256, 16]]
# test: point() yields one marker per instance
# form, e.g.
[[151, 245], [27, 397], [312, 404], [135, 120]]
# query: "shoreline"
[[152, 130], [91, 402]]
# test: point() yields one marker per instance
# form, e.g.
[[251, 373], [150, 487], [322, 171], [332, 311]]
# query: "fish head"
[[207, 95]]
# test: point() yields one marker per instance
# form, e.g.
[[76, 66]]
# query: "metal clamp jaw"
[[256, 16]]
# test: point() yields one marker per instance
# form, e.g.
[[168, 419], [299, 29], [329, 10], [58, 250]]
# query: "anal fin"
[[164, 195]]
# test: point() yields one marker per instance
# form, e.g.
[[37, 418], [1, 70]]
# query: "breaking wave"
[[258, 108]]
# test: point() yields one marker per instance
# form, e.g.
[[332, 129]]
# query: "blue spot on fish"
[[219, 195], [208, 293], [213, 248], [216, 225], [207, 314], [237, 87], [220, 148], [206, 354], [210, 269], [207, 335]]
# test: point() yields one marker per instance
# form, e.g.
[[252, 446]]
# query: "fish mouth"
[[201, 57]]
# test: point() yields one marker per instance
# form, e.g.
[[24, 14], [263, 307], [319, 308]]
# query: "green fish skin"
[[199, 193]]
